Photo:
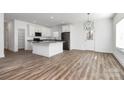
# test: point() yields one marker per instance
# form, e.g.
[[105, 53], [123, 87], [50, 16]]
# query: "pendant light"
[[89, 24]]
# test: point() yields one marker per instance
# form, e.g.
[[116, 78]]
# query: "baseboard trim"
[[119, 61], [2, 56]]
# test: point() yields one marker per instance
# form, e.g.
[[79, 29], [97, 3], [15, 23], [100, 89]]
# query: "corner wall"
[[1, 35], [11, 37], [103, 35], [17, 25]]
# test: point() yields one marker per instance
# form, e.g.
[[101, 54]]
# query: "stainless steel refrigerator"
[[66, 38]]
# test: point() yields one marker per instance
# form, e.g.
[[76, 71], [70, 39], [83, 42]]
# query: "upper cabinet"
[[31, 30], [36, 28], [46, 32], [66, 28]]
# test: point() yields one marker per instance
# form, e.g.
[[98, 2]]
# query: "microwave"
[[38, 34]]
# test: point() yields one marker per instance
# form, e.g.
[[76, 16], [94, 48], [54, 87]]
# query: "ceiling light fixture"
[[89, 28], [89, 24]]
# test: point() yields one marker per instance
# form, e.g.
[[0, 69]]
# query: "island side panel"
[[55, 48], [41, 49]]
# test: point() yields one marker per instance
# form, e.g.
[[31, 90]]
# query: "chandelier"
[[89, 27]]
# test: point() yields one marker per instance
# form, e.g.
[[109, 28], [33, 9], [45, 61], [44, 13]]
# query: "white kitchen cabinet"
[[43, 31], [36, 28], [46, 32], [31, 30], [47, 49], [66, 28]]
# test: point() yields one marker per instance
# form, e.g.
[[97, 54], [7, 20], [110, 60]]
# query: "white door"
[[21, 38]]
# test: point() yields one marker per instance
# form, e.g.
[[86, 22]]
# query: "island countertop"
[[47, 48], [46, 42]]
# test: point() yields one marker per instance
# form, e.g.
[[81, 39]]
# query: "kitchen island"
[[47, 48]]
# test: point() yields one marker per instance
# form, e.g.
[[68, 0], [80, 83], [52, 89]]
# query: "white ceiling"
[[52, 19]]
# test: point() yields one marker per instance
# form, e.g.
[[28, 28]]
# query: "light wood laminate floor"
[[70, 65]]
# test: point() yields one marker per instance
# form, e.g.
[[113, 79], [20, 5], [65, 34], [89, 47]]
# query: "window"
[[120, 35]]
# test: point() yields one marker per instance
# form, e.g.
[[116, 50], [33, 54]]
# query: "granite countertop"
[[42, 40], [46, 42]]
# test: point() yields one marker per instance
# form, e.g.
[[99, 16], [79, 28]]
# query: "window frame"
[[121, 50]]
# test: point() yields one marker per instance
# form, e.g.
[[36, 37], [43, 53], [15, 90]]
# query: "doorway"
[[21, 39]]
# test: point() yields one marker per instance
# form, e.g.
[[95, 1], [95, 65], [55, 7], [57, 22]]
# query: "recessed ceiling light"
[[51, 17]]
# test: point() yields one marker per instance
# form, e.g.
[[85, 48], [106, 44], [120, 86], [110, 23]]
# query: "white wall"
[[103, 37], [19, 25], [1, 35], [119, 55], [58, 29], [11, 36], [6, 36], [78, 37], [13, 27]]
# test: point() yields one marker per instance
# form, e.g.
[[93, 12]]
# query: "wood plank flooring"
[[70, 65]]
